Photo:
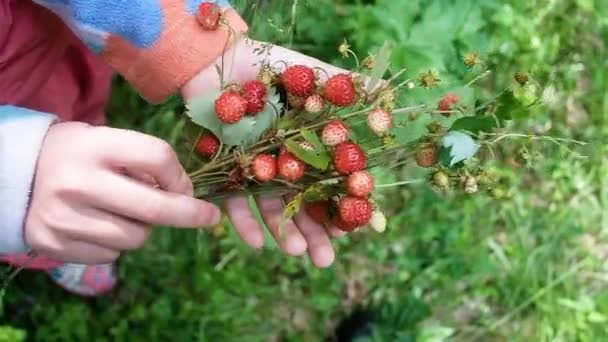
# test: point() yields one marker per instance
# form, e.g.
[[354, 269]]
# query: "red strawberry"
[[446, 103], [340, 90], [318, 211], [299, 80], [427, 155], [348, 158], [209, 15], [334, 133], [289, 167], [255, 94], [343, 226], [208, 145], [354, 212], [314, 104], [230, 107], [379, 121], [360, 184], [264, 167]]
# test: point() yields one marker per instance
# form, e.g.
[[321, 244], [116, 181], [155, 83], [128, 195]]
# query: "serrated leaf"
[[474, 124], [201, 110], [382, 64], [319, 159], [408, 131], [313, 138], [461, 146], [291, 209]]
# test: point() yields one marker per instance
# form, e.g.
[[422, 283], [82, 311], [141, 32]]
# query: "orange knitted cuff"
[[182, 51]]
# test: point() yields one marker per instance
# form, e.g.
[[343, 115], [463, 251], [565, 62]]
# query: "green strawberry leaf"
[[474, 124], [317, 158], [461, 147], [408, 131], [247, 131]]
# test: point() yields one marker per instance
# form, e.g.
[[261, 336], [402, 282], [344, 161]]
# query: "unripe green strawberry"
[[441, 180]]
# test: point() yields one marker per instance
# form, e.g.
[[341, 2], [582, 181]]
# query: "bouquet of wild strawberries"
[[297, 131]]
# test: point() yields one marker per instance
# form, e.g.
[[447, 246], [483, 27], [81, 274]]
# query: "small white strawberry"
[[334, 133], [378, 221], [379, 121], [314, 104]]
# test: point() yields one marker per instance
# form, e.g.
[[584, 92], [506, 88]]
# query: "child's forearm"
[[157, 45], [22, 132]]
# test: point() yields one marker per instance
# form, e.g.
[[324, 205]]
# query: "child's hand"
[[301, 233], [85, 209]]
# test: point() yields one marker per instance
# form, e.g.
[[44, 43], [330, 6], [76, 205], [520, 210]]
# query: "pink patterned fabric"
[[35, 263], [44, 67]]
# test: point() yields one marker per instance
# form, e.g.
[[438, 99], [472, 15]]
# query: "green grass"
[[527, 266]]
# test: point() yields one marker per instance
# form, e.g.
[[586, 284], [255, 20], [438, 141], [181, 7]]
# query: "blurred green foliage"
[[525, 264]]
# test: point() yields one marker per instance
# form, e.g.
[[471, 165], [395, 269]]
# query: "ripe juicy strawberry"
[[318, 211], [334, 133], [427, 155], [264, 167], [343, 226], [299, 80], [209, 15], [379, 121], [354, 211], [208, 145], [360, 184], [230, 107], [255, 94], [348, 158], [446, 102], [314, 104], [289, 167], [340, 90]]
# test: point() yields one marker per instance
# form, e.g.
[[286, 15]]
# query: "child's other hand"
[[85, 209], [301, 233]]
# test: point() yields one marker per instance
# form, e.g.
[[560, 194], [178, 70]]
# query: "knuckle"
[[137, 238]]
